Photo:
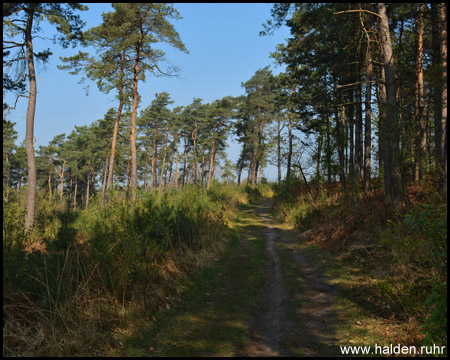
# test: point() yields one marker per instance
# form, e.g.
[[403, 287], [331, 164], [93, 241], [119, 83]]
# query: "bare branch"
[[355, 83], [358, 11], [15, 103], [12, 46]]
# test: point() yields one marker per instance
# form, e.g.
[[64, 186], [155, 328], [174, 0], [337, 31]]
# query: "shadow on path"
[[295, 312], [262, 298]]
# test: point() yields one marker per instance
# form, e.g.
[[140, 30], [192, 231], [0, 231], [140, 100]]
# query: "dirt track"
[[298, 322], [264, 297]]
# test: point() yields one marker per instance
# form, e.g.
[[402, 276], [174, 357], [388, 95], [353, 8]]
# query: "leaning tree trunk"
[[29, 145], [211, 161], [194, 139], [116, 130]]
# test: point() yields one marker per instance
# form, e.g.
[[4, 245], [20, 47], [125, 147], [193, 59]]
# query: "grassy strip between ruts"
[[212, 317]]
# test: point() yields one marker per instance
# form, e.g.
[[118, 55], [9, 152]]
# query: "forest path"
[[263, 297], [296, 300]]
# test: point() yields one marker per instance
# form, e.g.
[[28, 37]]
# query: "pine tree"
[[68, 26], [145, 24], [390, 131]]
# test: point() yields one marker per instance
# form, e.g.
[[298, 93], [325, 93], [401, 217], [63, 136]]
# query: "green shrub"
[[103, 257], [430, 224]]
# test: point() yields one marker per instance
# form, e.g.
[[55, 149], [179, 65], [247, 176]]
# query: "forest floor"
[[267, 295]]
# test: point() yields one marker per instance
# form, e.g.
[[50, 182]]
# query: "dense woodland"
[[357, 122]]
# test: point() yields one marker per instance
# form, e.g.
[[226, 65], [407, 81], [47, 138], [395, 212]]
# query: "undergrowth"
[[404, 251], [79, 276]]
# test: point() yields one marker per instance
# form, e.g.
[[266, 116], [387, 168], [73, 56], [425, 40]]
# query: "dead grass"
[[89, 324], [392, 278]]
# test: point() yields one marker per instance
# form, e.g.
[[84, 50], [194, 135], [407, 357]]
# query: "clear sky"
[[224, 46]]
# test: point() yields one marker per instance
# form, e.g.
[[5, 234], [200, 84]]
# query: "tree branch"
[[12, 46], [15, 103], [353, 84], [358, 11]]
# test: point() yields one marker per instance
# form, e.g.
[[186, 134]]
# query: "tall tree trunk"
[[239, 175], [61, 177], [319, 155], [443, 145], [145, 170], [70, 188], [29, 143], [8, 177], [203, 170], [50, 183], [258, 152], [399, 96], [380, 94], [439, 142], [328, 145], [109, 181], [105, 176], [171, 169], [154, 157], [194, 139], [211, 161], [128, 175], [133, 125], [351, 170], [279, 148], [184, 164], [241, 163], [368, 120], [75, 193], [390, 134], [116, 126], [289, 158], [214, 166], [87, 190], [359, 136], [176, 163], [253, 170], [338, 123], [420, 143], [164, 161]]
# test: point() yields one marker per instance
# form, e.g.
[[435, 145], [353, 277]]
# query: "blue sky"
[[224, 47]]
